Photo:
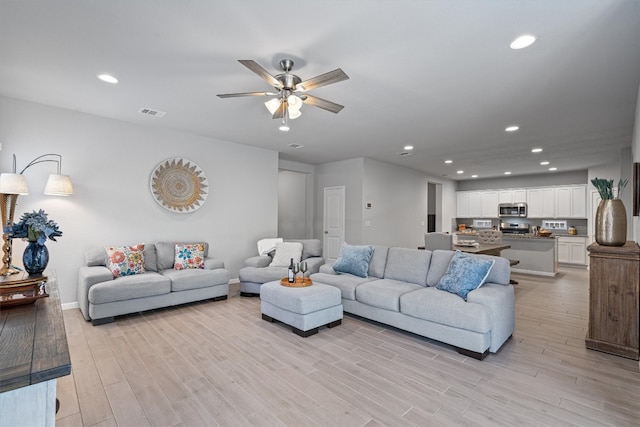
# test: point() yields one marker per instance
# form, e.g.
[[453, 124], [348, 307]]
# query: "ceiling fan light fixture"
[[284, 128], [294, 102], [293, 114], [272, 105]]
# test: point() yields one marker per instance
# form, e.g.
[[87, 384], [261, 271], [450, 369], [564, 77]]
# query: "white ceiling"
[[438, 75]]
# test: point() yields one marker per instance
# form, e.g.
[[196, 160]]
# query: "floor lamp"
[[13, 185]]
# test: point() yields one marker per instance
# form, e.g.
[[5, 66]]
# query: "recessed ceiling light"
[[507, 173], [108, 78], [536, 150], [544, 163], [408, 147], [523, 41], [459, 172], [448, 161], [284, 128], [553, 169], [474, 176], [512, 128]]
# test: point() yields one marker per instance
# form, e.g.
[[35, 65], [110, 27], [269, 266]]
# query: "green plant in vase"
[[605, 187]]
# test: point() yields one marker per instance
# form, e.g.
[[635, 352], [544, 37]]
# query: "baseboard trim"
[[70, 305]]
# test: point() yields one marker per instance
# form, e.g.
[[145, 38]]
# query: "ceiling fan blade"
[[334, 76], [253, 66], [322, 103], [235, 95], [280, 111]]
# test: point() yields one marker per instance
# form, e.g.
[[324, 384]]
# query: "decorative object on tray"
[[21, 289], [467, 243], [299, 282], [179, 185], [36, 228], [543, 232], [611, 217]]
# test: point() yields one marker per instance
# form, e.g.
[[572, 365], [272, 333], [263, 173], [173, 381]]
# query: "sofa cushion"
[[347, 283], [195, 278], [189, 256], [353, 260], [125, 260], [446, 308], [130, 287], [408, 265], [165, 254], [261, 274], [267, 245], [378, 261], [310, 247], [384, 293], [464, 274], [440, 259], [285, 251]]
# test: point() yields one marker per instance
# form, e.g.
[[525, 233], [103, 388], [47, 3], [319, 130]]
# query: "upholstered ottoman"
[[304, 309]]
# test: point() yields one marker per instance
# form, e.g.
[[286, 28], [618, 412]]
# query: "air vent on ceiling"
[[405, 153], [151, 112], [294, 145]]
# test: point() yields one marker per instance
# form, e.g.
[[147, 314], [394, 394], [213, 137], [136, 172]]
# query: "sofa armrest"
[[87, 277], [314, 264], [327, 268], [260, 261], [213, 263], [500, 300]]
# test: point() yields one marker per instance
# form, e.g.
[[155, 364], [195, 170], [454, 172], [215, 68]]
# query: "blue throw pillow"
[[353, 260], [464, 274]]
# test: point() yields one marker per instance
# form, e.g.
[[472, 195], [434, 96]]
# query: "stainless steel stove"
[[514, 228]]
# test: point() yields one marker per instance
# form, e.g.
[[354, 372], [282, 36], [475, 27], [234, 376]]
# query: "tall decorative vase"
[[611, 223], [35, 258]]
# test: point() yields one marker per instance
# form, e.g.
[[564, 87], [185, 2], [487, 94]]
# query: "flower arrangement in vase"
[[36, 228], [611, 217]]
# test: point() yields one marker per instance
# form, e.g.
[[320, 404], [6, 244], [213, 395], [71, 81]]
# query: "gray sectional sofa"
[[400, 291], [256, 271], [101, 296]]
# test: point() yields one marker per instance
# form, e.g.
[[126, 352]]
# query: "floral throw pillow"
[[125, 260], [189, 256]]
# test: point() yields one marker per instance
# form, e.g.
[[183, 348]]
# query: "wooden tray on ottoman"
[[300, 282]]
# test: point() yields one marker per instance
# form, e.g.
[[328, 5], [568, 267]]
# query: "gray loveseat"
[[101, 296], [256, 271], [400, 291]]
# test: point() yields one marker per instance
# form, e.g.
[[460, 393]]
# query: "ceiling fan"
[[291, 90]]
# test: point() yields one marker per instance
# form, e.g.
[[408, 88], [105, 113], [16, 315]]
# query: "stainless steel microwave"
[[506, 210]]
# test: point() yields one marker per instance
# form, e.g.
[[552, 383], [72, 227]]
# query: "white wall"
[[635, 154], [110, 163], [398, 197], [292, 205]]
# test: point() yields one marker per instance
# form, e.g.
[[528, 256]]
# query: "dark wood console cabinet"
[[614, 299]]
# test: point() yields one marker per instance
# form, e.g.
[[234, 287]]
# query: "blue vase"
[[35, 258]]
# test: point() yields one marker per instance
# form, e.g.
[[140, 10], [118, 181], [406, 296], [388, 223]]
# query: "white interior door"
[[333, 222]]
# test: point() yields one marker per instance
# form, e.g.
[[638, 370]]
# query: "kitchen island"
[[536, 254]]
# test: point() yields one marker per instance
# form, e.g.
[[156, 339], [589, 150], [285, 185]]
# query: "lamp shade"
[[58, 185], [13, 183], [273, 105]]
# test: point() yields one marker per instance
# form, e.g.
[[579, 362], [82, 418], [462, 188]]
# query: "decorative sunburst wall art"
[[179, 185]]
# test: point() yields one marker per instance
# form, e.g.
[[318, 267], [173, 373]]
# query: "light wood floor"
[[219, 363]]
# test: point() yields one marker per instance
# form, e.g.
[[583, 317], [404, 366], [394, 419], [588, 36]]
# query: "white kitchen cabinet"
[[519, 195], [572, 250], [541, 202], [505, 196], [462, 204], [571, 202], [490, 200], [475, 204]]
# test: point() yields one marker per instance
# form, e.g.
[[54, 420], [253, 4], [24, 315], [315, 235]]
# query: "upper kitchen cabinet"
[[518, 195], [571, 202], [477, 204], [490, 201], [541, 202]]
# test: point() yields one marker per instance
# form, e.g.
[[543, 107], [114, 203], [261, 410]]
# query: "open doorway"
[[294, 209], [434, 207]]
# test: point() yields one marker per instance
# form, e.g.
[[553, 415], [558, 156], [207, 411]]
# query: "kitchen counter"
[[537, 254]]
